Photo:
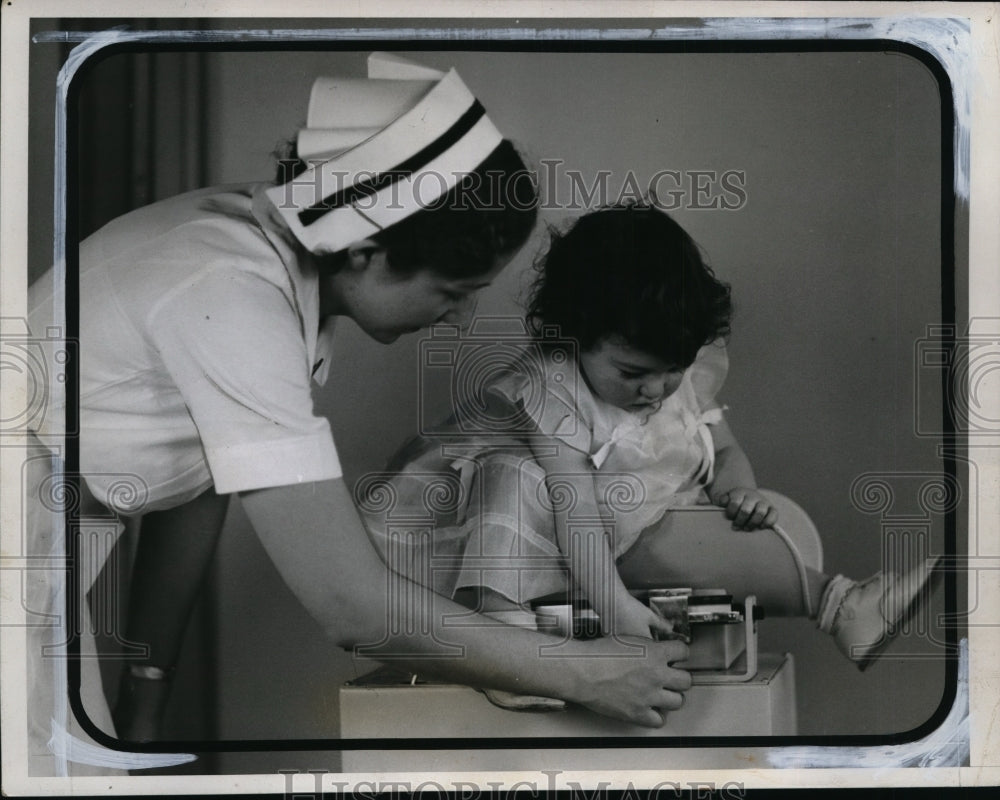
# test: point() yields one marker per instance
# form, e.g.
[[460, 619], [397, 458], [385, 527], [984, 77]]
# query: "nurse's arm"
[[315, 538]]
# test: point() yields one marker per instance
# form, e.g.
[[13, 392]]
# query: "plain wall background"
[[835, 268]]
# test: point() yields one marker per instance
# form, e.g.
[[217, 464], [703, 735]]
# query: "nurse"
[[203, 321]]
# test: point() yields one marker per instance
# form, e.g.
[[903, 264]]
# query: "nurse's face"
[[631, 379], [386, 304]]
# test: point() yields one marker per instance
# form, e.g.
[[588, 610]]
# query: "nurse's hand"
[[634, 618], [639, 686]]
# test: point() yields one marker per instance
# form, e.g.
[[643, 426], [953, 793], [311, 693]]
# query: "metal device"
[[721, 635]]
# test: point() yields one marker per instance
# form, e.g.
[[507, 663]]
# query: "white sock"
[[829, 604]]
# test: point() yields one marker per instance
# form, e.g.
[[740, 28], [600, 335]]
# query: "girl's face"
[[628, 378], [386, 304]]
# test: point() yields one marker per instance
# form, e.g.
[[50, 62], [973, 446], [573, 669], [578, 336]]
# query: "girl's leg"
[[710, 555], [491, 543], [862, 617], [509, 555], [174, 551]]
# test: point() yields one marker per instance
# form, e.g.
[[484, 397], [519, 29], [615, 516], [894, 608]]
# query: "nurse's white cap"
[[379, 150]]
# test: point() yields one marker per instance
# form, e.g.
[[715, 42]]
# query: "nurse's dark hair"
[[631, 271], [488, 215]]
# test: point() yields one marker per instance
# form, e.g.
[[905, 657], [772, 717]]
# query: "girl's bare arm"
[[735, 487]]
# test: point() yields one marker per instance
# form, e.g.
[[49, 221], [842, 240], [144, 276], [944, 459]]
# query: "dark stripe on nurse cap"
[[349, 194]]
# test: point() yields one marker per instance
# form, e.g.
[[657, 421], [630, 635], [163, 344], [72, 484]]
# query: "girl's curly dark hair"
[[630, 270]]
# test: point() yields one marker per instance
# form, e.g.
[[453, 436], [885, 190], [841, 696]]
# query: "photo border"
[[549, 40], [958, 152]]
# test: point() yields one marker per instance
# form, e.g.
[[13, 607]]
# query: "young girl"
[[602, 442]]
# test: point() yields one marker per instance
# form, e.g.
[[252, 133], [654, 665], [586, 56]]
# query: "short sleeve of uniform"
[[545, 386], [233, 344], [708, 373]]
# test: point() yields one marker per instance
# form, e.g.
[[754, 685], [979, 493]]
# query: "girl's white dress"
[[461, 509]]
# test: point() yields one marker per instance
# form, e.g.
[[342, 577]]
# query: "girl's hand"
[[634, 618], [747, 508]]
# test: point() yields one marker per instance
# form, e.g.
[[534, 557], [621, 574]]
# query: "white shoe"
[[523, 702], [865, 617]]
